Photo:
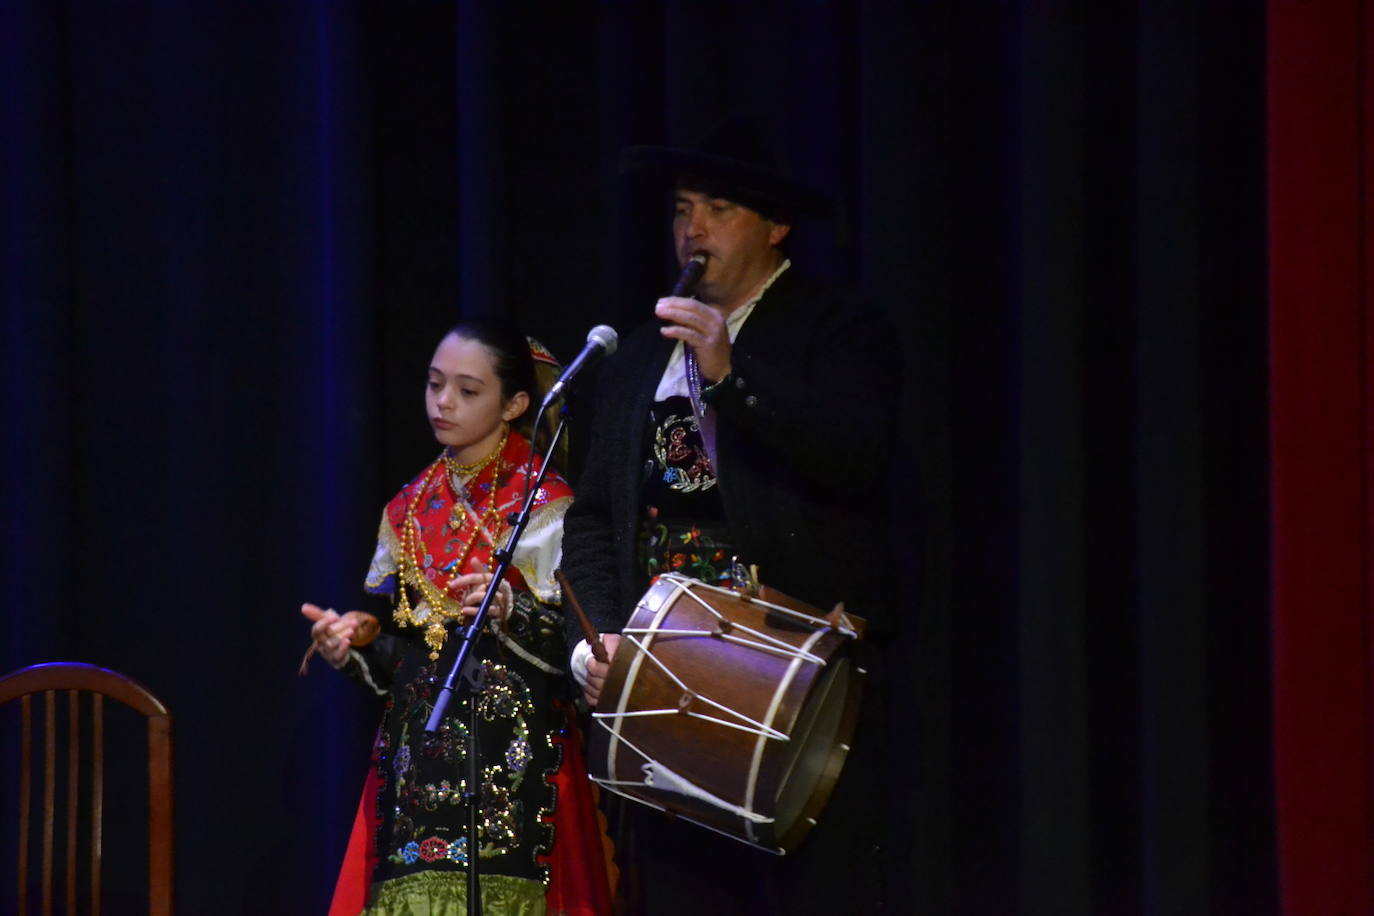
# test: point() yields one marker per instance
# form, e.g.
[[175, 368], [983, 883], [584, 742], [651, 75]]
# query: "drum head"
[[819, 745]]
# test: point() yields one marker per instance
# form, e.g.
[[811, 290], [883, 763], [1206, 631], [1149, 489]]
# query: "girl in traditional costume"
[[433, 557]]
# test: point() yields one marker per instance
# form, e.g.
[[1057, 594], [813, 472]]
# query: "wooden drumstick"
[[589, 631]]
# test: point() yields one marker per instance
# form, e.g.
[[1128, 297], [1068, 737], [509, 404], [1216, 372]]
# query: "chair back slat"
[[160, 815], [49, 790], [72, 799], [84, 774], [25, 798], [97, 794]]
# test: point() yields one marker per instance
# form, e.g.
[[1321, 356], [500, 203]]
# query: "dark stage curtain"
[[233, 233]]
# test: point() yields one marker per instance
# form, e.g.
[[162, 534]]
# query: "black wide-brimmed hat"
[[737, 161]]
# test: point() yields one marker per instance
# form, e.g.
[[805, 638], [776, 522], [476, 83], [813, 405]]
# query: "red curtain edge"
[[1321, 159]]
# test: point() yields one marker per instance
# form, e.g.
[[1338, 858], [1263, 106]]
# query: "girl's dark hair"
[[511, 351]]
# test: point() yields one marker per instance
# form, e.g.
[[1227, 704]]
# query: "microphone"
[[601, 339], [690, 276]]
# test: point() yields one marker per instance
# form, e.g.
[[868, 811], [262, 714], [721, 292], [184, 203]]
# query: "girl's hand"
[[471, 588], [333, 635]]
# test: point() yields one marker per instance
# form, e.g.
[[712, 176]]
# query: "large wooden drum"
[[731, 711]]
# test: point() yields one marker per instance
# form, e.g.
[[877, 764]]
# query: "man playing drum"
[[752, 419]]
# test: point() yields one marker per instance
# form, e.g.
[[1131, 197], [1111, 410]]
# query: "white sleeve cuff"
[[581, 656], [364, 671]]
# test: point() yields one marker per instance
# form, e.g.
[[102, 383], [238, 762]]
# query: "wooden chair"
[[75, 679]]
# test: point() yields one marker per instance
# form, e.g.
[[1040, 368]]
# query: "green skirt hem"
[[445, 893]]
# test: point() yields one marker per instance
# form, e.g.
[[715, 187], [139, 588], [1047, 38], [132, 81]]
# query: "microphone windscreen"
[[604, 336]]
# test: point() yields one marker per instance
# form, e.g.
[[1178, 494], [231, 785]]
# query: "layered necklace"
[[465, 480]]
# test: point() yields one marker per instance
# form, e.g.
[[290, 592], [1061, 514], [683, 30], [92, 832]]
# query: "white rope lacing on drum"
[[770, 645], [687, 584], [773, 707], [753, 727], [611, 786], [781, 646], [762, 641], [665, 779]]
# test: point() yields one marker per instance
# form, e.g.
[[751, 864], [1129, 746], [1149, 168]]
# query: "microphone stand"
[[466, 667]]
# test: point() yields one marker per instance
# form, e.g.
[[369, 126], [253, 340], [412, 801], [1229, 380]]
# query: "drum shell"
[[769, 688]]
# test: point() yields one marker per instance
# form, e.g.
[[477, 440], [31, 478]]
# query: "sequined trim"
[[543, 847], [505, 696]]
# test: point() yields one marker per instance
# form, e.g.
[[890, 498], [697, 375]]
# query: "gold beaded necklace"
[[457, 472], [443, 608]]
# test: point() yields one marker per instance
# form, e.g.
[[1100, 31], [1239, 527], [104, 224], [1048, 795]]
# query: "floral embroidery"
[[505, 697], [501, 815], [518, 754], [681, 457], [690, 551]]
